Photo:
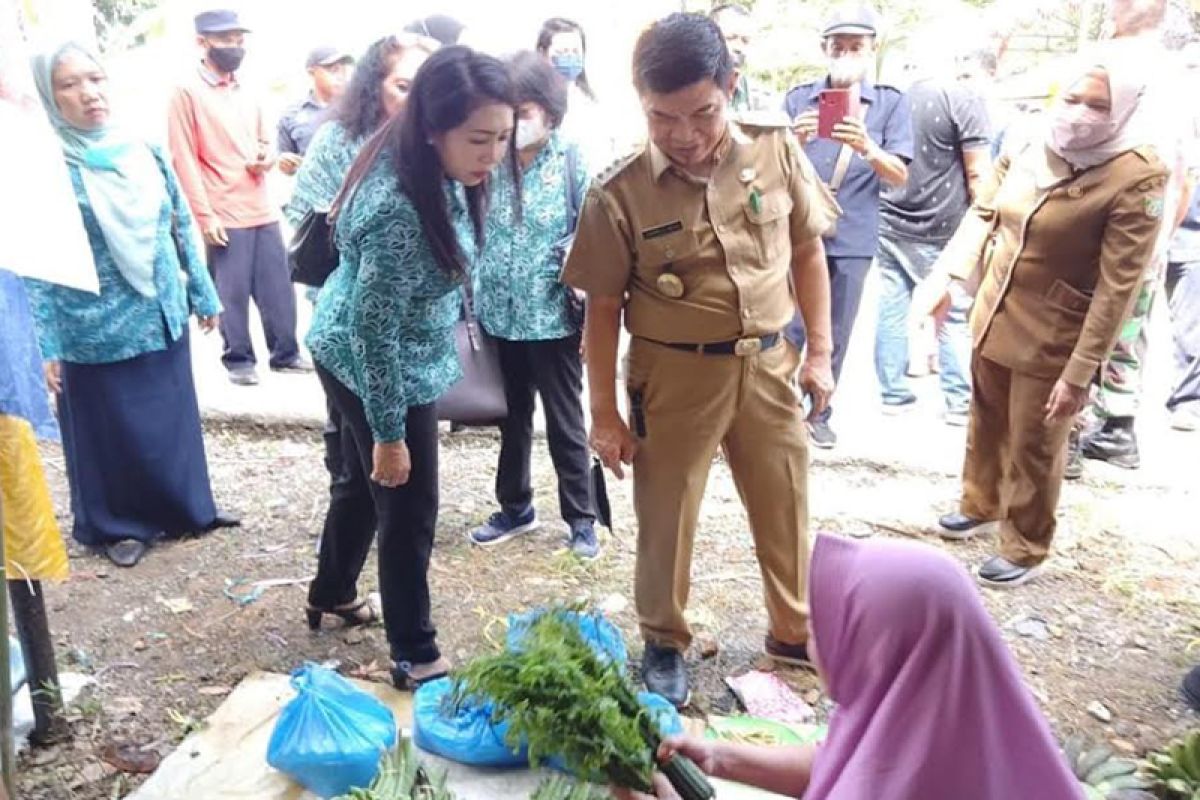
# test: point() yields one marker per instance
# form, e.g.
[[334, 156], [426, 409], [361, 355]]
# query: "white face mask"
[[847, 70], [531, 132]]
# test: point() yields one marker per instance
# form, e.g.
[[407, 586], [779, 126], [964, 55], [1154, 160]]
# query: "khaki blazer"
[[1058, 254]]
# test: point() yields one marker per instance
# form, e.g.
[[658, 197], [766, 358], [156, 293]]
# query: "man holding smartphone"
[[868, 147]]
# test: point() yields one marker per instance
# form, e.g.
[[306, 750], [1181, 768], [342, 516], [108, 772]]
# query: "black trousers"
[[553, 370], [405, 517], [847, 277], [254, 265]]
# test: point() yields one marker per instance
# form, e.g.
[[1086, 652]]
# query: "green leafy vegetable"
[[401, 776], [560, 788], [564, 700]]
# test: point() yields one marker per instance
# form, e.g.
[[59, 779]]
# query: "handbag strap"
[[845, 154], [571, 169]]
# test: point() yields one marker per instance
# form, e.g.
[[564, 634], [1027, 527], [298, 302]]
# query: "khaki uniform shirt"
[[728, 237], [1062, 253]]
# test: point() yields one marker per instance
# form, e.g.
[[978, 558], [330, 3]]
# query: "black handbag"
[[313, 253], [477, 399]]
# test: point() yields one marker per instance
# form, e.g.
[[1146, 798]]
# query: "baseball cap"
[[326, 56], [852, 20], [218, 21]]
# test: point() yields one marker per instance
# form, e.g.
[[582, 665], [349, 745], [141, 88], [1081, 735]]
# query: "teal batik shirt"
[[325, 165], [119, 323], [384, 323], [519, 294]]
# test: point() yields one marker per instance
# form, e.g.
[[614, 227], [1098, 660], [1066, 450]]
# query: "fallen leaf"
[[130, 758]]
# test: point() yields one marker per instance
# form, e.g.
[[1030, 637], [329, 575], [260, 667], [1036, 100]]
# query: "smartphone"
[[833, 106]]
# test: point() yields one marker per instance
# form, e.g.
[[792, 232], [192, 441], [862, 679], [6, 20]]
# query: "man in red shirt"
[[221, 150]]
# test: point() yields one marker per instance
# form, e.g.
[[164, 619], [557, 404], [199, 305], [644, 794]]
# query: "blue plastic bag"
[[331, 736], [601, 634], [466, 735]]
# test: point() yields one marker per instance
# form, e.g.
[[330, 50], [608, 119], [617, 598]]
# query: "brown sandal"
[[351, 616]]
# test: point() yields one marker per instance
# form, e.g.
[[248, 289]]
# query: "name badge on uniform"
[[663, 230]]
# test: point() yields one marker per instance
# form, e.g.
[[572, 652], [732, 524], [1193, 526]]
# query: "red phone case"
[[833, 106]]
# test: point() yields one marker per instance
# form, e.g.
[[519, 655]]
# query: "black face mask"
[[227, 59]]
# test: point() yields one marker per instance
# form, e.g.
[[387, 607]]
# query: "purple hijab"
[[931, 704]]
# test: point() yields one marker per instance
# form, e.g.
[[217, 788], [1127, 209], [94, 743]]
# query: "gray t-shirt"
[[948, 118]]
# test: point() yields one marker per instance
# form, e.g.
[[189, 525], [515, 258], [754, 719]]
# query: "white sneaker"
[[1185, 418]]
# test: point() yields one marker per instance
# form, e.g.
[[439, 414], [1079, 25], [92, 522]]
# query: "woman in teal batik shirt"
[[383, 339], [119, 361], [522, 303]]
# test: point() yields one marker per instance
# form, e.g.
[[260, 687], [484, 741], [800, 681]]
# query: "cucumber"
[[687, 779]]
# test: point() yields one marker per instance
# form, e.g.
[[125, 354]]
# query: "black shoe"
[[247, 376], [125, 553], [957, 527], [224, 519], [1000, 573], [301, 366], [1074, 468], [1115, 443], [822, 435], [794, 654], [665, 674], [1191, 689]]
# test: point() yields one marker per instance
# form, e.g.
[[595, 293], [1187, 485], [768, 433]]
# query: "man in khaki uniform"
[[697, 240], [1060, 244]]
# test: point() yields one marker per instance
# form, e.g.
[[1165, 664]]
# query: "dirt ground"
[[1110, 623]]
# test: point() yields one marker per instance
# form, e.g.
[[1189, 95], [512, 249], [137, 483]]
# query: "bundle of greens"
[[401, 776], [560, 697], [559, 788]]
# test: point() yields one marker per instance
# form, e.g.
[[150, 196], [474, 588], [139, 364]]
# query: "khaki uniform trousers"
[[692, 404], [1014, 465]]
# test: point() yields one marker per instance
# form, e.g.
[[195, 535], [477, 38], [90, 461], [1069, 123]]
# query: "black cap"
[[219, 21], [852, 20], [326, 57]]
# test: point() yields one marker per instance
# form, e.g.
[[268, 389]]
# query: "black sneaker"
[[125, 553], [1191, 689], [794, 654], [583, 540], [821, 434], [1000, 573], [501, 527], [957, 527], [665, 674], [1074, 469], [1115, 444]]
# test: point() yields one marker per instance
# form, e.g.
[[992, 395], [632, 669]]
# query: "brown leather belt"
[[749, 346]]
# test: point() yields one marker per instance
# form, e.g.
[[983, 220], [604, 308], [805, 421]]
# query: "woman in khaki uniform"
[[1057, 246]]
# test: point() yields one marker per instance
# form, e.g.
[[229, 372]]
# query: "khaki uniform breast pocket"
[[768, 217], [669, 253]]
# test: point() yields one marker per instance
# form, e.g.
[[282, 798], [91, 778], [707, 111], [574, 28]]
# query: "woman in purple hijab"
[[930, 703]]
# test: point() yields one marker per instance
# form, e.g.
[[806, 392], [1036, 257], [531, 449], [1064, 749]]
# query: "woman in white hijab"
[[1057, 247]]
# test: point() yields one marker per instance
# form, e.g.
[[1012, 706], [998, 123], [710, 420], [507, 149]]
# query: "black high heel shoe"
[[352, 616]]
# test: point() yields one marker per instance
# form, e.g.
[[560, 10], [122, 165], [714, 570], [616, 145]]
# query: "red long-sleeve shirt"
[[214, 130]]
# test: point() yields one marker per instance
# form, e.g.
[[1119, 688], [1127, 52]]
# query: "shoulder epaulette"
[[620, 164]]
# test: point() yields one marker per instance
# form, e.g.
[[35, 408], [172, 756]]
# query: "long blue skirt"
[[134, 448]]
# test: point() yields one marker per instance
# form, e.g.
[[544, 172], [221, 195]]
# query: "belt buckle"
[[748, 347]]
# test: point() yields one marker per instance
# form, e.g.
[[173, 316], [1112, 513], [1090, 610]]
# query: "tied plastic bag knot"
[[332, 735]]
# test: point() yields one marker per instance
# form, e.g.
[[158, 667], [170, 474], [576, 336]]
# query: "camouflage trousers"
[[1119, 393]]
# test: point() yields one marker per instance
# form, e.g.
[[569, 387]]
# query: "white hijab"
[[1127, 79]]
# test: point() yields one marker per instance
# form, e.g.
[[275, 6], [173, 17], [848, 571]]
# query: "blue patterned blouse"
[[519, 295], [325, 165], [384, 323], [120, 323]]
